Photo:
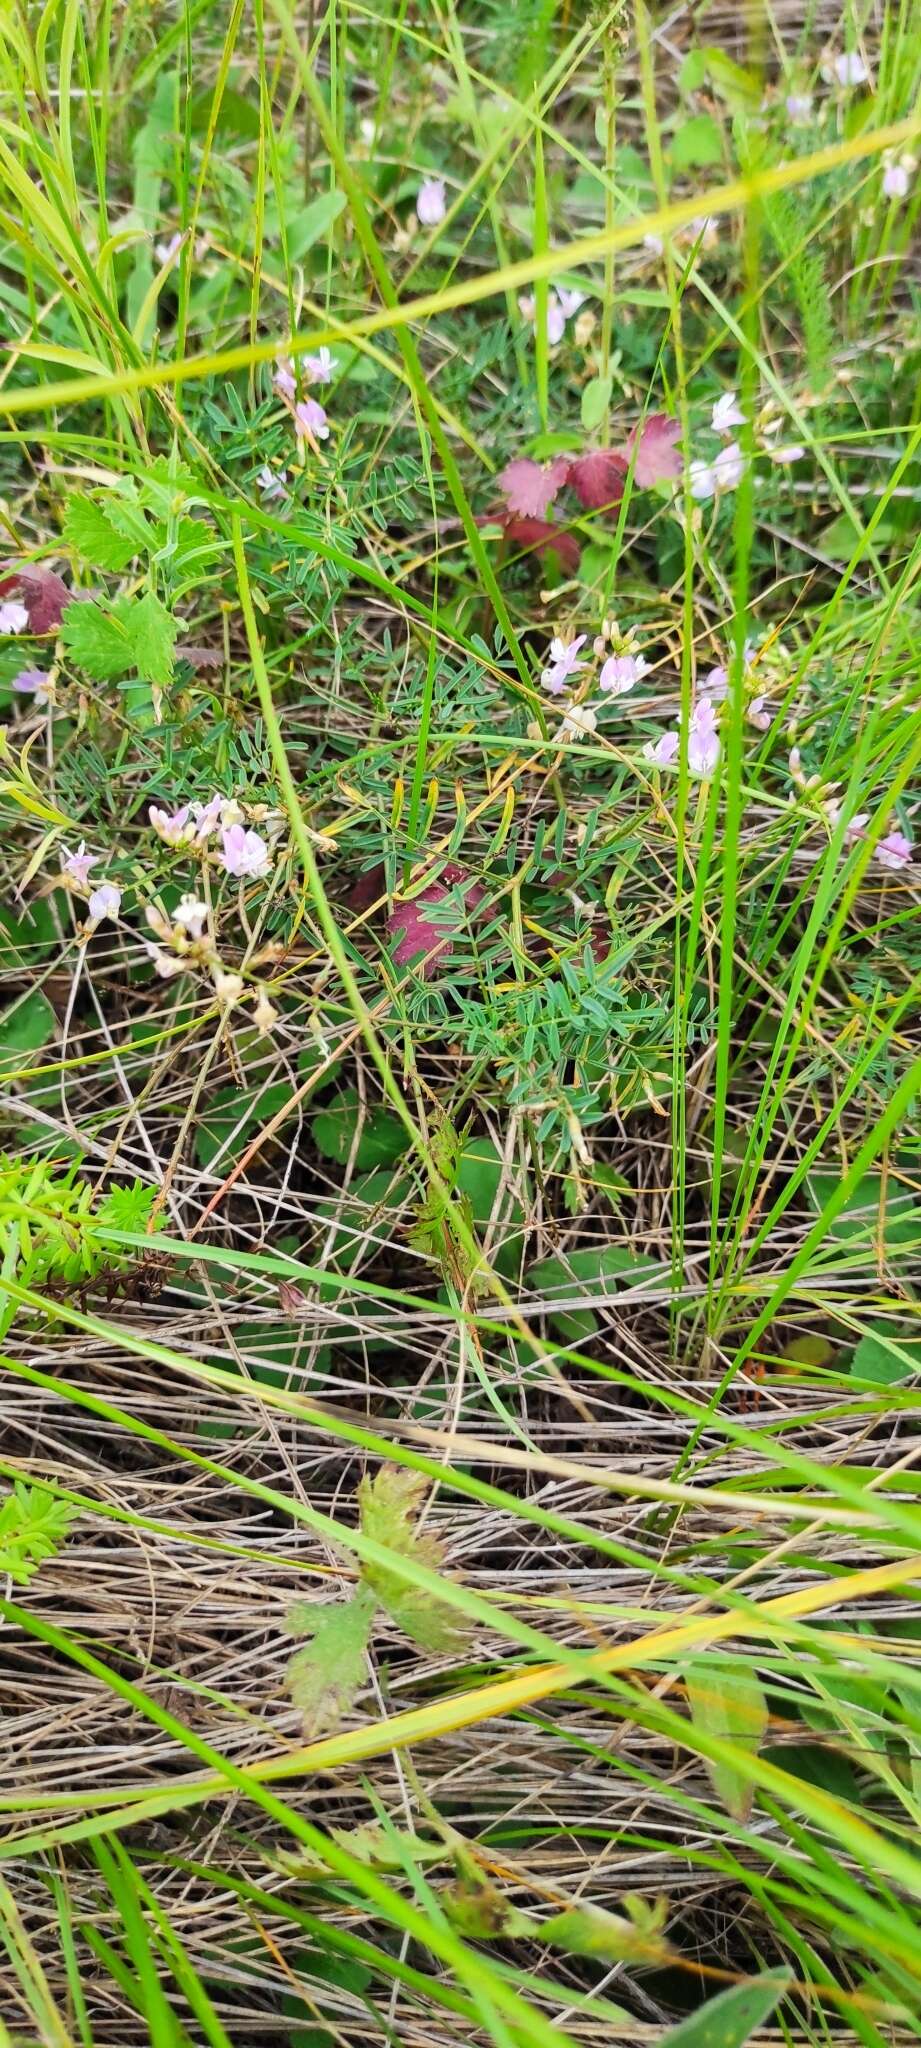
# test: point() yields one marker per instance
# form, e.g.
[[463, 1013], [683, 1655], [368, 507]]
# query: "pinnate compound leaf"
[[33, 1525], [727, 2020], [389, 1505], [656, 455], [726, 1700], [597, 477], [326, 1675], [529, 488]]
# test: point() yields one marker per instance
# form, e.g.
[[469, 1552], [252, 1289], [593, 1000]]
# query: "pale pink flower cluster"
[[430, 202], [14, 617], [36, 683], [105, 899], [243, 852], [703, 740], [620, 671], [309, 416], [562, 303], [727, 468], [185, 942], [894, 851]]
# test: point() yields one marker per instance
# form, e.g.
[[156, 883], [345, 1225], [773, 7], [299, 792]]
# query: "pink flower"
[[799, 105], [855, 826], [206, 817], [895, 181], [13, 616], [244, 853], [894, 851], [284, 380], [702, 480], [570, 301], [726, 414], [662, 752], [106, 901], [166, 964], [563, 664], [272, 484], [77, 865], [757, 715], [319, 369], [620, 672], [703, 739], [171, 826], [34, 682], [165, 251], [729, 466], [716, 685], [311, 419], [430, 202], [556, 318], [791, 453], [850, 69]]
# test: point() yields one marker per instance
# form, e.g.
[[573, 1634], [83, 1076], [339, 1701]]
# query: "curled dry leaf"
[[598, 478], [657, 455], [42, 591], [529, 488]]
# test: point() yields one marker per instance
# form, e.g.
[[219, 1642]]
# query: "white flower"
[[726, 414], [272, 483], [729, 466], [578, 722], [191, 915], [430, 202], [654, 244], [850, 69], [106, 901], [13, 616], [264, 1012], [227, 987], [793, 452], [702, 479], [166, 251], [799, 106], [166, 964]]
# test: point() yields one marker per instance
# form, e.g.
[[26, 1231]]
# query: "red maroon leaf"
[[537, 536], [598, 478], [529, 488], [423, 938], [657, 455], [42, 591]]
